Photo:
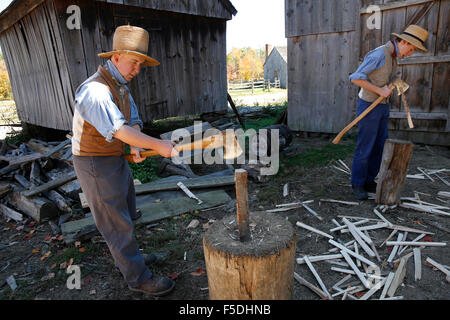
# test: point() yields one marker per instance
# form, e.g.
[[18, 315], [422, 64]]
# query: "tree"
[[245, 64], [5, 84]]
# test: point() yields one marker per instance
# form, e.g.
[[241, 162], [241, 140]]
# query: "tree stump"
[[392, 175], [261, 268]]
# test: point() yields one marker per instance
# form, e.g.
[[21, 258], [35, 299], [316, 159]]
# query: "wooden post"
[[259, 269], [392, 175], [240, 178]]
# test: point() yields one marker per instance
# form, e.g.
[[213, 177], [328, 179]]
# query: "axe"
[[398, 84], [226, 139]]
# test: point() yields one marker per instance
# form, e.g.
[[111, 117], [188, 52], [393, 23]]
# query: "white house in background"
[[275, 66]]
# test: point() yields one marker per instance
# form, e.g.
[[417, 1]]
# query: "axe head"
[[401, 86]]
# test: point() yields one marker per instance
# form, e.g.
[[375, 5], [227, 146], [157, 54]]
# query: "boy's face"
[[406, 49], [128, 65]]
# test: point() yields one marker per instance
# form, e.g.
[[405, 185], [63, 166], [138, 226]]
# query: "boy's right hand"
[[386, 92], [167, 149]]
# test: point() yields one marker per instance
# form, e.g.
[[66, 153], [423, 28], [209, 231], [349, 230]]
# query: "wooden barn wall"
[[321, 37], [191, 49], [33, 53], [427, 74], [205, 8]]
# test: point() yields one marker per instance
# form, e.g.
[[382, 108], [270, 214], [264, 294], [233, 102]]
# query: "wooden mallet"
[[226, 139], [401, 87]]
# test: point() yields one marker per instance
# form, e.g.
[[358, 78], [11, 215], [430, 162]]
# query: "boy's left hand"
[[136, 152]]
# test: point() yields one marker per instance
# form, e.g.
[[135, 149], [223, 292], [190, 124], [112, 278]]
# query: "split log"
[[392, 175], [5, 188], [245, 270], [307, 284], [38, 208], [399, 275], [10, 213]]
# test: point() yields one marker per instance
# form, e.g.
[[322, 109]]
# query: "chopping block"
[[250, 257]]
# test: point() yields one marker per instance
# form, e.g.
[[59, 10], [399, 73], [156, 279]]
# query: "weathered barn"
[[48, 56], [275, 66], [327, 40]]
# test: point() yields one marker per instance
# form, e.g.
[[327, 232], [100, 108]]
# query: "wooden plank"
[[355, 269], [154, 211], [374, 289], [192, 183], [424, 59], [312, 287], [358, 238], [320, 258], [387, 284], [395, 249], [417, 264], [16, 11], [397, 4], [357, 256], [305, 226], [399, 275], [438, 266], [51, 184], [316, 275], [416, 243]]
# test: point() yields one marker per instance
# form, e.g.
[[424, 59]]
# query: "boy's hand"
[[386, 92], [167, 149], [136, 152]]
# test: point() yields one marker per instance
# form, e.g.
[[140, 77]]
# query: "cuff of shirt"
[[358, 76], [117, 126], [138, 122]]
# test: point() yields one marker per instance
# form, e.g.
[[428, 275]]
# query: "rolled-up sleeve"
[[95, 104], [373, 61]]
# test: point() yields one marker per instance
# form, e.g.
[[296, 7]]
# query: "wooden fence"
[[252, 85]]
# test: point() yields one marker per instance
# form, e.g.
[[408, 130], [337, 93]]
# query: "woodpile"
[[28, 185]]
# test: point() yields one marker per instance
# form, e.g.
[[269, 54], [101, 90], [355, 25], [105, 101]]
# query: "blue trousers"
[[108, 186], [372, 134]]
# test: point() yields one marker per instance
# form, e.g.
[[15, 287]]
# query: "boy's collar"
[[396, 52], [115, 73]]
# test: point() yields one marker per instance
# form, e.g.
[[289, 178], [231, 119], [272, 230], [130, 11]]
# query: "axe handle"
[[204, 143], [359, 118]]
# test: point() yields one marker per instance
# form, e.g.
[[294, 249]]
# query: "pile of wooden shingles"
[[38, 181], [350, 257]]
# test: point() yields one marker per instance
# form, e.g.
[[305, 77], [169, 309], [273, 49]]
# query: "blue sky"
[[257, 22]]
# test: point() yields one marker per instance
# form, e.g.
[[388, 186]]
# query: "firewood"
[[304, 226], [417, 264], [355, 269], [416, 243], [10, 213], [36, 207], [316, 275], [399, 275], [358, 238], [387, 284], [319, 258], [357, 256], [438, 266], [316, 290], [51, 184]]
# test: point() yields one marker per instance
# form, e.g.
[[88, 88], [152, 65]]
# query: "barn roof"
[[20, 8]]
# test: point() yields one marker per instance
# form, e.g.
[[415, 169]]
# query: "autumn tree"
[[5, 85], [245, 64]]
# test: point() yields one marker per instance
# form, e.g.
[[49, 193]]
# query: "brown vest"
[[92, 143], [381, 76]]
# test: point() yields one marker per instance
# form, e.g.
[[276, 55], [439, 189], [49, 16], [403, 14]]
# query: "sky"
[[4, 4], [257, 23]]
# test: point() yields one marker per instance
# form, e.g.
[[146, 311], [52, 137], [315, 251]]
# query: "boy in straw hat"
[[105, 120], [373, 76]]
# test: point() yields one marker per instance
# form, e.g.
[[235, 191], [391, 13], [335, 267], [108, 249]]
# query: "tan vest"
[[91, 142], [381, 76]]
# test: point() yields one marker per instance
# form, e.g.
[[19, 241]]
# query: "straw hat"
[[415, 35], [131, 40]]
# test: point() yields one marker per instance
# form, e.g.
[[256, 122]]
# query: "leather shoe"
[[155, 286], [370, 186], [360, 192], [151, 258]]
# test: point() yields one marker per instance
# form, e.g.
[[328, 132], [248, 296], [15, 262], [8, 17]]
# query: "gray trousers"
[[109, 189]]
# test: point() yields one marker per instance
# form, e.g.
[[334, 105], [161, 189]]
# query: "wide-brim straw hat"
[[131, 40], [414, 35]]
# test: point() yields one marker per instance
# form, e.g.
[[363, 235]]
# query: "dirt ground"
[[22, 249]]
